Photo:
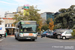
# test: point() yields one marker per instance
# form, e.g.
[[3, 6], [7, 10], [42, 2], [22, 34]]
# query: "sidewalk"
[[10, 36]]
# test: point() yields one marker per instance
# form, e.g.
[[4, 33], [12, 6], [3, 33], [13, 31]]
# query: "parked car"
[[44, 34], [57, 32], [38, 33], [66, 34], [49, 34]]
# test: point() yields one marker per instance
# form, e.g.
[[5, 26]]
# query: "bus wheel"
[[33, 39]]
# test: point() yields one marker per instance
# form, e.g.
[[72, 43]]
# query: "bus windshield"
[[28, 28]]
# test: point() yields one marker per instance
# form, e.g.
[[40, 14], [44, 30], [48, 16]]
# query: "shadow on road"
[[57, 39], [25, 40]]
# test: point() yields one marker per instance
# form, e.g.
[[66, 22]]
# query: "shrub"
[[73, 33], [51, 24], [45, 27]]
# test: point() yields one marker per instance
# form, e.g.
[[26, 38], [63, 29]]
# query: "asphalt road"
[[40, 44]]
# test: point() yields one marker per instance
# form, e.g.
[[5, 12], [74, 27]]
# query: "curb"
[[10, 35]]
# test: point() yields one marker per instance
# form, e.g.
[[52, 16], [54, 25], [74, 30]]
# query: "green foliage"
[[66, 17], [33, 15], [18, 17], [51, 24], [45, 27], [48, 20], [73, 33], [73, 27], [57, 26]]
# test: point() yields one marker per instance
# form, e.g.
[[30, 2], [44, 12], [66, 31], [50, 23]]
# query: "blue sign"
[[0, 28]]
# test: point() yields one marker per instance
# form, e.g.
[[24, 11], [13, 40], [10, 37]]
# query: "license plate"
[[28, 38], [30, 34]]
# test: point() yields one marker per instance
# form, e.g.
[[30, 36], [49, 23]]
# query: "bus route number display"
[[28, 23]]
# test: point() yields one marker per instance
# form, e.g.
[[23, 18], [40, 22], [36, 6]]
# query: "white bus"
[[26, 30], [2, 27]]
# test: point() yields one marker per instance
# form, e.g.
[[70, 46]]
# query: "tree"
[[45, 27], [33, 15], [66, 17], [51, 24], [18, 17], [40, 25], [73, 33], [48, 20]]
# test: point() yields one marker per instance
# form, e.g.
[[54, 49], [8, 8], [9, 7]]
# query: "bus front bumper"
[[28, 37]]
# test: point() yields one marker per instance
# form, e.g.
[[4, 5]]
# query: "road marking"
[[2, 39]]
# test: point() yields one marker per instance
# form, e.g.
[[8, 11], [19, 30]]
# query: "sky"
[[42, 5]]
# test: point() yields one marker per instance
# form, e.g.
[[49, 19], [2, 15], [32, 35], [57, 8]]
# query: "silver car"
[[57, 32], [66, 34]]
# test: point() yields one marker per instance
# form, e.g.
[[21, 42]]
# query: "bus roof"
[[27, 21], [24, 22]]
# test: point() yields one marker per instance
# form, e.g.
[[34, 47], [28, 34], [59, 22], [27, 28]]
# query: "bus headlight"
[[35, 35], [21, 35]]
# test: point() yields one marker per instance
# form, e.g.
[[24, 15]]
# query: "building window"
[[6, 25], [10, 25]]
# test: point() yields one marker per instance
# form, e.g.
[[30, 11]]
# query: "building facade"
[[20, 9], [10, 15], [9, 26], [47, 15]]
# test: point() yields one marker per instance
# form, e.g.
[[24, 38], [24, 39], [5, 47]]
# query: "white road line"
[[2, 39]]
